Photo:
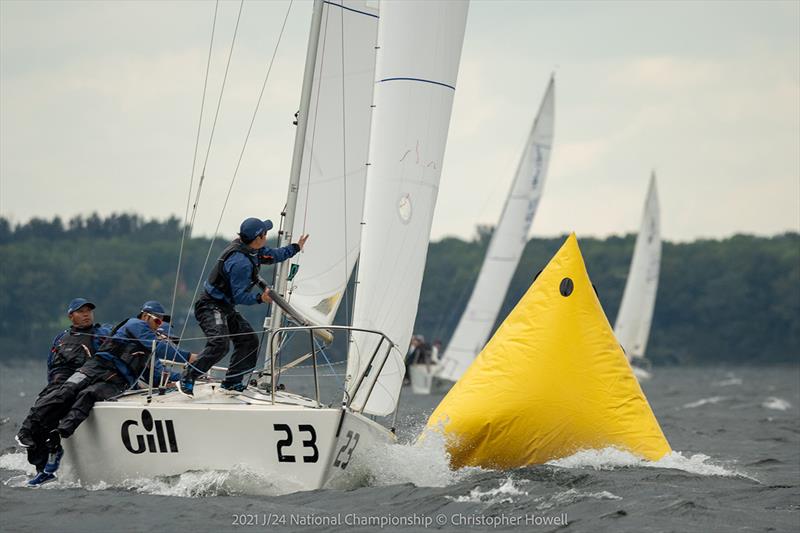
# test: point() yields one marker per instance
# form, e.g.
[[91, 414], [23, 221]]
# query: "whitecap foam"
[[778, 404], [704, 401], [611, 458], [205, 483], [730, 381], [572, 496], [425, 463], [16, 461], [502, 494]]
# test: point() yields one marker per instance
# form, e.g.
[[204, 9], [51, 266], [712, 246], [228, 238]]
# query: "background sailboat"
[[632, 327], [506, 246]]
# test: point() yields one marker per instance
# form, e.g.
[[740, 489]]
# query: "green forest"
[[734, 300]]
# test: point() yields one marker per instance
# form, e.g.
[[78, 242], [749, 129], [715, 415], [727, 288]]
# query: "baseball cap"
[[253, 227], [77, 303], [155, 308]]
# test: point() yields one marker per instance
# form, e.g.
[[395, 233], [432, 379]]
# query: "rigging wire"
[[194, 164], [216, 115], [239, 161]]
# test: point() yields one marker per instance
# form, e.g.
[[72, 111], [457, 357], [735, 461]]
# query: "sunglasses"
[[156, 319]]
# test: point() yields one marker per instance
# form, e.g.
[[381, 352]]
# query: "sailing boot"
[[186, 385], [54, 460], [40, 479], [233, 387]]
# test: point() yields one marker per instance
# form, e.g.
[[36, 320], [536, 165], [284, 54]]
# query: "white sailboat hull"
[[293, 444]]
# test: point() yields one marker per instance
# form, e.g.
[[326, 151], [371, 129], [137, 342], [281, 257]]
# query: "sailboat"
[[632, 327], [384, 94], [505, 248]]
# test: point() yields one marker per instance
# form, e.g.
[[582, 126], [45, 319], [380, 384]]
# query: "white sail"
[[505, 248], [417, 66], [333, 175], [632, 327]]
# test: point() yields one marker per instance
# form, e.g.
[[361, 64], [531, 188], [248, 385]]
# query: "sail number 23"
[[310, 443], [346, 451]]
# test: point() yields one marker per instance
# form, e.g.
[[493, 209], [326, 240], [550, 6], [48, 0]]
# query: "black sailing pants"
[[37, 454], [70, 404], [218, 320]]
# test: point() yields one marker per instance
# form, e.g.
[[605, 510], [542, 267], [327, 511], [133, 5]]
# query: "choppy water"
[[736, 433]]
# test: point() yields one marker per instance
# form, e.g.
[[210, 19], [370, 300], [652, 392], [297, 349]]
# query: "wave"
[[704, 401], [729, 381], [502, 494], [571, 496], [778, 404], [612, 458]]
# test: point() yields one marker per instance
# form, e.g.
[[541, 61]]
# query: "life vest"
[[219, 278], [131, 353], [73, 348]]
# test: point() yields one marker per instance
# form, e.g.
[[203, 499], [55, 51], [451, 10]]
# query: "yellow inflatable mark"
[[553, 380]]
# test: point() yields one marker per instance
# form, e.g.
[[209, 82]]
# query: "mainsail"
[[635, 315], [419, 48], [506, 246], [333, 175]]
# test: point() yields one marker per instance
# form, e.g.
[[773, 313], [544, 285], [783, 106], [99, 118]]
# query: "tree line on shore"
[[734, 300]]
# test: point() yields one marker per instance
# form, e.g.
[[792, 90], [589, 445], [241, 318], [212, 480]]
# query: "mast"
[[285, 237]]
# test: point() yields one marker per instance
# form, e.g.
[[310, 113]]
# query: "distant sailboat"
[[506, 247], [635, 316]]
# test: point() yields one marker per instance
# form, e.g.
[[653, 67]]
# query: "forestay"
[[332, 179], [417, 66], [506, 246], [632, 328]]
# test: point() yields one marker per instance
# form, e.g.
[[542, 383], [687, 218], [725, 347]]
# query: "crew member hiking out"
[[70, 350], [116, 366], [229, 284]]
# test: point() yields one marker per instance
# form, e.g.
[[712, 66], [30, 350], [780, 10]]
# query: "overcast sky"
[[99, 103]]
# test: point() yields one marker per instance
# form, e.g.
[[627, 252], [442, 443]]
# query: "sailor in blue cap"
[[68, 353], [234, 275], [116, 366]]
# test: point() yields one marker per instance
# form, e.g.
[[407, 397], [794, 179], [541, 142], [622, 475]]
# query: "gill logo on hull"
[[163, 441]]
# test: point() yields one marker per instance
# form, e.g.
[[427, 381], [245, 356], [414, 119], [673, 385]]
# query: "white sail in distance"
[[333, 172], [632, 327], [506, 245], [416, 70]]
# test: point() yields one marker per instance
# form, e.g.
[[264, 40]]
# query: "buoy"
[[552, 381]]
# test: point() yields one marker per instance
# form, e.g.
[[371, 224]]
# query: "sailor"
[[117, 365], [69, 351], [229, 284], [436, 351]]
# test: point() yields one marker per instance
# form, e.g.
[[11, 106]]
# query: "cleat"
[[24, 439], [54, 461], [41, 478], [186, 386]]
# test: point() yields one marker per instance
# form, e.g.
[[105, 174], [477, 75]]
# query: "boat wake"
[[613, 458], [424, 464]]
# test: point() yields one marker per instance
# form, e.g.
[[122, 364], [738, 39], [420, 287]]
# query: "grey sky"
[[99, 104]]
